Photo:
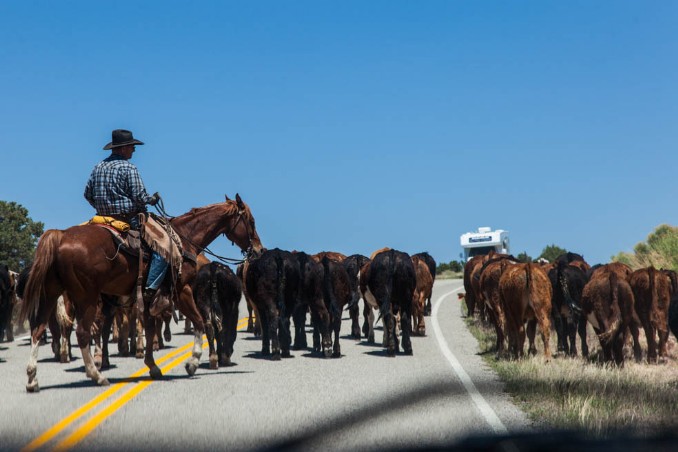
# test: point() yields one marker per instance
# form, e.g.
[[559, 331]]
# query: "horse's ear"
[[238, 199], [227, 198]]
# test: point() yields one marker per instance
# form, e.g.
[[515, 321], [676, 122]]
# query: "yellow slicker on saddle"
[[117, 224]]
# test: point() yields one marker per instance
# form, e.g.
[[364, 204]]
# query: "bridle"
[[248, 253]]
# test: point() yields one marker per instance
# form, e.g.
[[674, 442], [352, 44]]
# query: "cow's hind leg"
[[336, 327], [405, 325], [32, 368], [211, 336], [149, 332], [285, 336]]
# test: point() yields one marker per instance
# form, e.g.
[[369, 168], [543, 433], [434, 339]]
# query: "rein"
[[160, 208]]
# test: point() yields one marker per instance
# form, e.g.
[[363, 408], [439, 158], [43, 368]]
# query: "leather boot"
[[158, 301]]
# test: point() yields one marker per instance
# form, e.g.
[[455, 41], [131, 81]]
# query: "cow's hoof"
[[155, 373]]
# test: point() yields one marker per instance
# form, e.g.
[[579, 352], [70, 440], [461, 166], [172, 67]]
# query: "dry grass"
[[585, 395]]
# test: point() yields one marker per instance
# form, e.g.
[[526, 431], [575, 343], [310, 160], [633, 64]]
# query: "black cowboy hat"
[[121, 137]]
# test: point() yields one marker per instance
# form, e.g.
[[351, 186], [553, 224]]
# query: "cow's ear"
[[227, 198], [238, 199]]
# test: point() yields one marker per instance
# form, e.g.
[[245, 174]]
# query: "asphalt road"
[[441, 395]]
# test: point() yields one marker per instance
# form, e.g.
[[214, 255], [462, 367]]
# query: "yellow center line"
[[60, 426]]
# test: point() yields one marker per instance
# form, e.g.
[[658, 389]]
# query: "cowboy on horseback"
[[115, 189]]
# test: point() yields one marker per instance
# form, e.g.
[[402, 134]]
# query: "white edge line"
[[484, 407]]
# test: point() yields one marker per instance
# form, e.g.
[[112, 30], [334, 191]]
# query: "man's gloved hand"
[[154, 198]]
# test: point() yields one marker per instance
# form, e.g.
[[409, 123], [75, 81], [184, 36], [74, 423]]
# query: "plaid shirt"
[[115, 188]]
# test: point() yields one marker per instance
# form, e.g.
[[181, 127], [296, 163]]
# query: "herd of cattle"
[[281, 288], [517, 297]]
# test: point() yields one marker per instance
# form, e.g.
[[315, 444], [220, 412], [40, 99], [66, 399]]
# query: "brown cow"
[[330, 255], [470, 288], [607, 304], [525, 292], [421, 293], [652, 293], [489, 285]]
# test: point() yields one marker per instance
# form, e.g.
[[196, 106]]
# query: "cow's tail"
[[654, 296], [565, 289], [328, 290], [528, 279], [614, 327], [385, 305], [63, 319], [280, 274], [45, 254], [215, 306]]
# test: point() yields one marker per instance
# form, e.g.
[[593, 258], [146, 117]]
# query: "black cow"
[[388, 284], [353, 264], [6, 300], [673, 305], [217, 292], [272, 282], [568, 284], [311, 276], [431, 264]]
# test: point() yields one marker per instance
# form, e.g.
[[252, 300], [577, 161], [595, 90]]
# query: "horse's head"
[[241, 228]]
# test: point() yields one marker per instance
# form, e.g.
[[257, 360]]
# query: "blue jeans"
[[156, 272], [158, 267]]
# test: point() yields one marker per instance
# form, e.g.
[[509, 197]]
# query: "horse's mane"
[[230, 207]]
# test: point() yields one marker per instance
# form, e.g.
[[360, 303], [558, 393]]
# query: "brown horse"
[[84, 262]]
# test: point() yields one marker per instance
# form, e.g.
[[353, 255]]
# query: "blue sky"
[[353, 125]]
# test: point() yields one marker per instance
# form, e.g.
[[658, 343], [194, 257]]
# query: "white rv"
[[484, 241]]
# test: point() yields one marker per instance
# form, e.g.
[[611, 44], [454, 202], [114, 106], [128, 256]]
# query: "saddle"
[[155, 234]]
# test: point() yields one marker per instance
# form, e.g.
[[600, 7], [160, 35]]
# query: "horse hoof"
[[408, 352], [155, 373], [33, 387], [64, 359], [285, 354], [327, 353], [191, 368], [103, 381], [275, 357], [336, 355], [214, 364]]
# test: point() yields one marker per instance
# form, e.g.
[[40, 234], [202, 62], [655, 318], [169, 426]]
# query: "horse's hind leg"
[[187, 306]]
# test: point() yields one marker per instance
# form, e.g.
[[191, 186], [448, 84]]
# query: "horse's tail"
[[45, 255]]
